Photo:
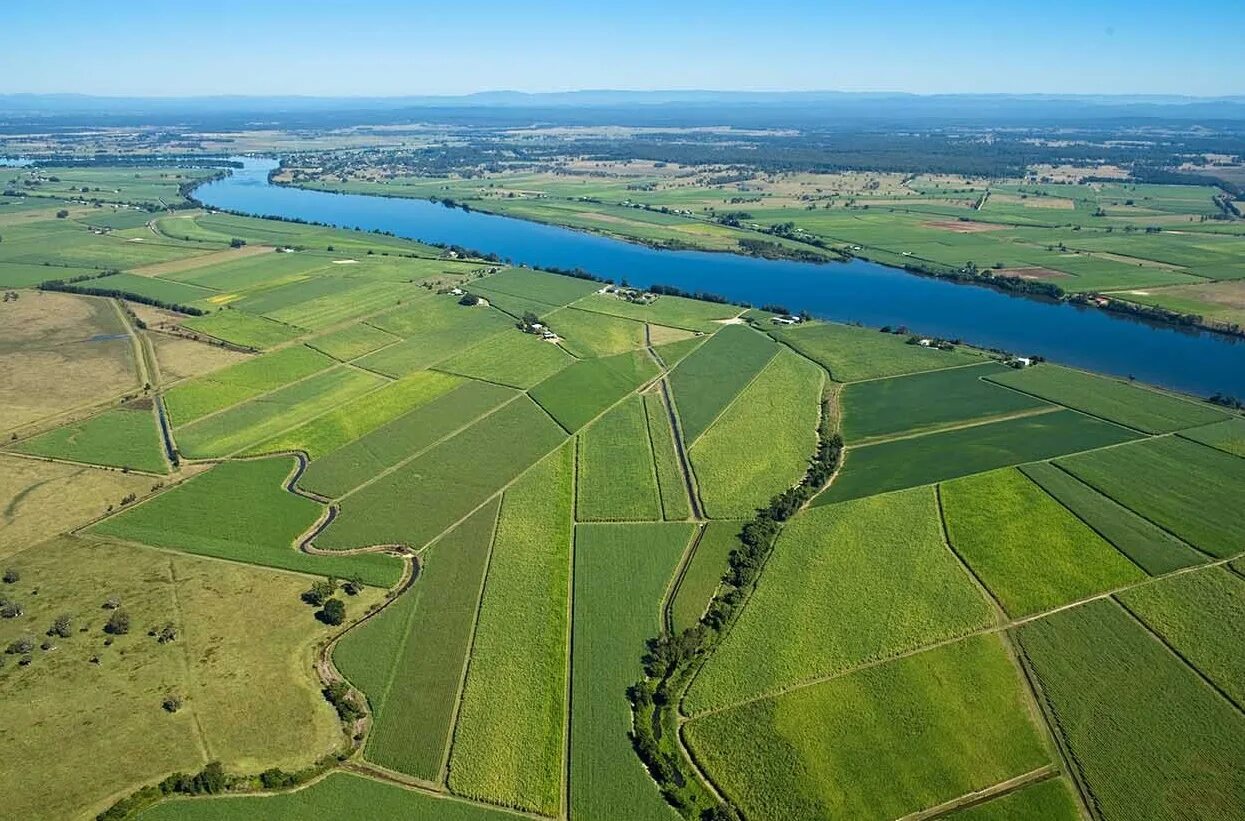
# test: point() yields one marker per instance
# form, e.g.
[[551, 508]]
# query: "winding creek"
[[1199, 362]]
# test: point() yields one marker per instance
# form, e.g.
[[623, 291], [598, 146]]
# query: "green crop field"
[[879, 743], [255, 420], [852, 354], [428, 409], [123, 437], [876, 569], [190, 400], [1049, 800], [432, 330], [1153, 549], [587, 334], [712, 376], [737, 473], [352, 341], [239, 328], [674, 311], [1029, 550], [360, 298], [1228, 435], [704, 572], [422, 497], [1188, 489], [1199, 615], [1150, 740], [550, 289], [410, 659], [670, 482], [360, 416], [621, 575], [925, 401], [672, 353], [616, 479], [153, 288], [1141, 408], [339, 795], [509, 744], [578, 394], [515, 306], [518, 360], [945, 455], [240, 511]]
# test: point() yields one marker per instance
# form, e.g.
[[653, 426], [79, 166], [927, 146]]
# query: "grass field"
[[876, 569], [670, 483], [242, 659], [711, 377], [338, 795], [1150, 739], [360, 416], [577, 394], [516, 359], [1199, 615], [589, 334], [925, 401], [1137, 407], [704, 572], [421, 498], [352, 341], [437, 409], [1228, 435], [674, 311], [762, 442], [1027, 549], [241, 328], [179, 358], [1155, 550], [1188, 489], [240, 511], [852, 354], [509, 744], [621, 575], [616, 479], [255, 420], [123, 437], [943, 455], [190, 400], [409, 659], [879, 743], [1049, 800]]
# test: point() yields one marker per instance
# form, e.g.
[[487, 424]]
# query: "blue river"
[[1198, 362]]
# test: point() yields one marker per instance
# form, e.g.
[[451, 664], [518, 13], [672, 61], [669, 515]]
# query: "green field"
[[621, 575], [876, 569], [704, 573], [587, 334], [673, 311], [410, 659], [945, 455], [550, 289], [925, 401], [1188, 489], [616, 479], [188, 401], [438, 408], [420, 498], [710, 378], [1028, 550], [123, 437], [509, 744], [433, 329], [1149, 738], [243, 329], [737, 473], [670, 483], [352, 341], [164, 290], [1049, 800], [1153, 549], [1127, 404], [515, 359], [1228, 435], [240, 511], [879, 743], [1199, 616], [852, 353], [578, 394]]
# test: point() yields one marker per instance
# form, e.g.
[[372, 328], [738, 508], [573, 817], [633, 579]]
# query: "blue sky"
[[384, 47]]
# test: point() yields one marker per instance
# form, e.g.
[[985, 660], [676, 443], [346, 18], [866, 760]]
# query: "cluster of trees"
[[117, 293], [773, 250], [703, 296], [321, 594]]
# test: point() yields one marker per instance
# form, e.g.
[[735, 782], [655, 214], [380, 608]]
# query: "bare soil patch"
[[963, 227]]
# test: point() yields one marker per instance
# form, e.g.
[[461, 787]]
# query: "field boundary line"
[[972, 799], [680, 450], [652, 449], [1154, 634], [734, 399], [665, 615], [1000, 613], [963, 424], [568, 669], [1085, 412], [35, 457], [985, 360]]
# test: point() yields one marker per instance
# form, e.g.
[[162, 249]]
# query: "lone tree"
[[62, 626], [172, 702], [334, 612], [118, 623], [12, 575]]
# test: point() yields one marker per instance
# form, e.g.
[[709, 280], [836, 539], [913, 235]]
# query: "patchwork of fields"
[[1018, 595]]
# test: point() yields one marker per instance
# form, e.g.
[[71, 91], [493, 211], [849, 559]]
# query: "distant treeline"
[[73, 287]]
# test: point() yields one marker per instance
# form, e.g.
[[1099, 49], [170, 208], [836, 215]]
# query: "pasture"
[[125, 437], [616, 479], [709, 378]]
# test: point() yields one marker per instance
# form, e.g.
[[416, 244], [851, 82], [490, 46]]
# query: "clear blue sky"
[[386, 47]]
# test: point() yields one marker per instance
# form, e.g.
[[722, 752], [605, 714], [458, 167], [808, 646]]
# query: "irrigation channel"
[[1186, 359]]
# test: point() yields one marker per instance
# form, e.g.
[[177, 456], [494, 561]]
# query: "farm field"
[[125, 437], [1028, 550], [352, 341], [243, 329], [432, 331], [710, 378], [670, 481], [673, 311], [579, 393], [518, 360], [1228, 435], [878, 743], [889, 585], [621, 575], [1167, 750], [178, 358], [1049, 800], [587, 334], [616, 478], [410, 658], [509, 743], [190, 400], [852, 354], [540, 286], [704, 573], [939, 456]]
